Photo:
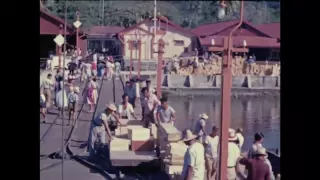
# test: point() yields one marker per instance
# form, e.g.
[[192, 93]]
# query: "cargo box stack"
[[172, 150]]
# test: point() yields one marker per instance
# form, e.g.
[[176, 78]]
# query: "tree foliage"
[[188, 14]]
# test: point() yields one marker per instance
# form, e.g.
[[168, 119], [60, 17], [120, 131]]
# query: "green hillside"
[[188, 14]]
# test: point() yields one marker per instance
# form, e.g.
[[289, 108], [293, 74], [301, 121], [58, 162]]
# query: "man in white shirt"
[[258, 139], [211, 143], [194, 163], [240, 137], [149, 102], [201, 126], [47, 85], [233, 155]]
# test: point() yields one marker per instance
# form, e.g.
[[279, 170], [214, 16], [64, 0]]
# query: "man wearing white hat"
[[100, 125], [194, 163], [233, 155], [201, 126]]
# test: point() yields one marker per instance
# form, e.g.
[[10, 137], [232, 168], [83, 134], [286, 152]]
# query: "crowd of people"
[[64, 89], [203, 148]]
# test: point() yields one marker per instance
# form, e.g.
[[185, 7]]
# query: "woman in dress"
[[125, 109], [109, 69], [43, 109], [92, 94], [94, 67], [61, 98]]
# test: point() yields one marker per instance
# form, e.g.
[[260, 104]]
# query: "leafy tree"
[[188, 13]]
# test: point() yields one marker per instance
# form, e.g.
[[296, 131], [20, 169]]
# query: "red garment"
[[257, 169], [94, 66]]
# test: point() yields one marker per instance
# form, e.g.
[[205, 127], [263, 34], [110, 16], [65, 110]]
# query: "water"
[[253, 115]]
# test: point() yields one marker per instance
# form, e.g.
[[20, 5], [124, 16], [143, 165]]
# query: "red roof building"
[[262, 40], [50, 27], [100, 37]]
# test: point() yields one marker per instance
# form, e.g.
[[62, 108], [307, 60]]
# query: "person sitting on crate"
[[103, 123], [125, 109]]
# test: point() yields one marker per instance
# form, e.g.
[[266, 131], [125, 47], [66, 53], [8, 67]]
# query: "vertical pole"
[[131, 64], [139, 63], [63, 87], [159, 67], [154, 27], [59, 47], [225, 111], [77, 36], [226, 99]]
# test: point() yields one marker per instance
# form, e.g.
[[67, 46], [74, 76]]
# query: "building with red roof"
[[100, 37], [262, 40], [178, 41], [50, 28]]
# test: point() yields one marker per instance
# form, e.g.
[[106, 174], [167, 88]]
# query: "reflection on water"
[[253, 115]]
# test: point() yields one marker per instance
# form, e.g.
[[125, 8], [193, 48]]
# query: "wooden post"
[[161, 44]]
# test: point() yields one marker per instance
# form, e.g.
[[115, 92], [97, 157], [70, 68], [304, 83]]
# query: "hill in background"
[[188, 14]]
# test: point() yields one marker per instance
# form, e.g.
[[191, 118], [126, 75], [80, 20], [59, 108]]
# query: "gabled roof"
[[53, 17], [216, 28], [104, 30], [163, 23], [271, 29], [56, 20]]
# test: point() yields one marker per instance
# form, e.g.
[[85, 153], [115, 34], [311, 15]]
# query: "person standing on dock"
[[240, 137], [149, 102], [109, 69], [211, 143], [130, 90], [58, 79], [125, 109], [99, 126], [73, 100], [258, 139], [201, 126], [233, 155], [43, 106], [47, 84], [92, 94], [61, 98], [194, 161], [257, 168], [165, 113], [151, 89]]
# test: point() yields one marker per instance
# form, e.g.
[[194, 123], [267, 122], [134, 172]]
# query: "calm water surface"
[[253, 115]]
